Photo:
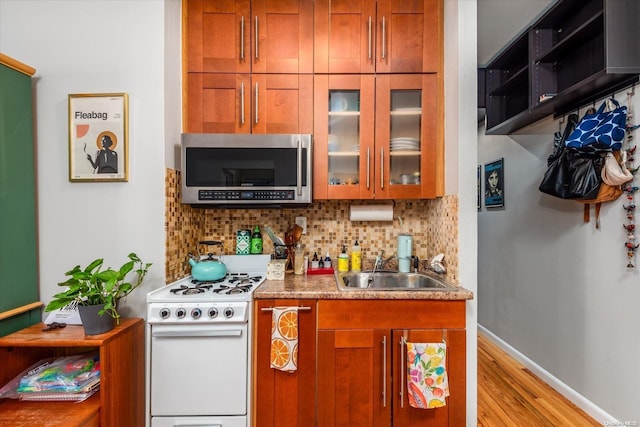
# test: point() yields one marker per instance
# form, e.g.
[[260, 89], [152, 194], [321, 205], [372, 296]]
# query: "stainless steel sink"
[[391, 281]]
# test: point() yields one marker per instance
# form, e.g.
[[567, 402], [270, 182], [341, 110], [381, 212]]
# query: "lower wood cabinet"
[[284, 399], [357, 374]]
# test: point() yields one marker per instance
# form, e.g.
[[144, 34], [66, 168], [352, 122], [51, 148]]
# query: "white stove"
[[199, 347], [192, 301]]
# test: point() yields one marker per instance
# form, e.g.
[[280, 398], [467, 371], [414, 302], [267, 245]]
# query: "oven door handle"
[[182, 333], [197, 425]]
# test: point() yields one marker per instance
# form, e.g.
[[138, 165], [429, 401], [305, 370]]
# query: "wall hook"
[[633, 90]]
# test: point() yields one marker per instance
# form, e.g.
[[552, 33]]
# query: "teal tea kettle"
[[209, 268]]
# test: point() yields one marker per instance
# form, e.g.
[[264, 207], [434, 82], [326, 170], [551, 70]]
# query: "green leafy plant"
[[94, 286]]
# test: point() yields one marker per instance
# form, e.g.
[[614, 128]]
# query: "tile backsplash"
[[433, 224]]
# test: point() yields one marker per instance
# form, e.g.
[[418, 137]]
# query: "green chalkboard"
[[18, 253]]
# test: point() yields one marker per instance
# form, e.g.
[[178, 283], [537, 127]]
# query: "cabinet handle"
[[381, 167], [384, 37], [256, 29], [256, 97], [402, 372], [300, 308], [368, 162], [242, 37], [384, 371], [369, 44], [242, 103]]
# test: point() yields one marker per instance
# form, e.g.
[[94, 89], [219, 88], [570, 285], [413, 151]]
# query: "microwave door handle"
[[299, 169]]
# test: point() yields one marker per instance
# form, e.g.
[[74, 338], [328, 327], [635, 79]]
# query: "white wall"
[[460, 161], [556, 289], [95, 47]]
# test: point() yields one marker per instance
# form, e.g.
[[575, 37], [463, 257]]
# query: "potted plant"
[[99, 290]]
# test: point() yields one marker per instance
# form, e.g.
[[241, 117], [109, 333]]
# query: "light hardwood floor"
[[509, 395]]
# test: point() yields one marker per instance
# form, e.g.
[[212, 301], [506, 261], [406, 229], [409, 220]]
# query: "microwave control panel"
[[236, 195]]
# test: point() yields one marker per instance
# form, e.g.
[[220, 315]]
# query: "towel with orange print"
[[427, 382], [284, 339]]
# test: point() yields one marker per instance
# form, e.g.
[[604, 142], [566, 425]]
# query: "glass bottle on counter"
[[298, 259], [256, 241]]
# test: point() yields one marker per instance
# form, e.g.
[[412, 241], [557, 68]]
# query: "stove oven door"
[[199, 370]]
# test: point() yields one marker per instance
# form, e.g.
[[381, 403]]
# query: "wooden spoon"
[[297, 233]]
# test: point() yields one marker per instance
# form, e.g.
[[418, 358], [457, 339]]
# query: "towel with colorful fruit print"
[[426, 375]]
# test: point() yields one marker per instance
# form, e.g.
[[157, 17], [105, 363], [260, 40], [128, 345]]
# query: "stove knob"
[[213, 312], [228, 312], [180, 313], [196, 313], [165, 313]]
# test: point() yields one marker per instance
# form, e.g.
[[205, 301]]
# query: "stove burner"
[[230, 290], [198, 288], [206, 282], [244, 279]]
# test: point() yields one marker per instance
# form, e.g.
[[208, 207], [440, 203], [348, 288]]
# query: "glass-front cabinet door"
[[387, 149], [344, 137], [406, 136]]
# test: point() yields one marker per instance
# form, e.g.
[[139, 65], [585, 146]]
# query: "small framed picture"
[[494, 184], [479, 178], [98, 137]]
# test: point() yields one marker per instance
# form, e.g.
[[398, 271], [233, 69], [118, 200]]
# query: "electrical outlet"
[[302, 222]]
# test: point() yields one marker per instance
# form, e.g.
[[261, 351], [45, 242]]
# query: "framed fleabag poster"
[[98, 137], [494, 184]]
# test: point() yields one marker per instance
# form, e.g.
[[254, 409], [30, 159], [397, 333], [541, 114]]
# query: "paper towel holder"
[[373, 212]]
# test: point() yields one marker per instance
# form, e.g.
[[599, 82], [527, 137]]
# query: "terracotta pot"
[[92, 322]]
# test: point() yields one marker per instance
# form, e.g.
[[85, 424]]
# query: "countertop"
[[323, 286]]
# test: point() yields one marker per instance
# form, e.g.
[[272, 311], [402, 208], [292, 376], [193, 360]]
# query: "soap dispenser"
[[343, 261], [356, 258]]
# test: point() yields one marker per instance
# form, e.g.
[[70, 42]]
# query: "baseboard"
[[576, 398]]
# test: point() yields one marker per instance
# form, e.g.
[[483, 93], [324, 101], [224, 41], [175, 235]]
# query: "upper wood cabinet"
[[239, 36], [249, 103], [387, 36], [402, 158]]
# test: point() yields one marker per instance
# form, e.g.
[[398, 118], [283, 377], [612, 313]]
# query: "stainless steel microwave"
[[246, 170]]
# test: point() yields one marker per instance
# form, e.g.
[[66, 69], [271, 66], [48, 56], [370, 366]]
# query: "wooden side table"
[[121, 399]]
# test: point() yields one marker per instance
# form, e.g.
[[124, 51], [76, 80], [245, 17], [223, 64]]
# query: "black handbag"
[[572, 175], [559, 139]]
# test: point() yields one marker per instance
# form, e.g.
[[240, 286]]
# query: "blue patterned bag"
[[600, 131]]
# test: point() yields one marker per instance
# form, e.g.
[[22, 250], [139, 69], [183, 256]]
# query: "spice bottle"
[[327, 261], [315, 263]]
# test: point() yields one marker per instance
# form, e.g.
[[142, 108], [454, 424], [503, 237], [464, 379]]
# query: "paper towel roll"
[[371, 213]]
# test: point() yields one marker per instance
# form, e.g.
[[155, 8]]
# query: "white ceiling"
[[499, 21]]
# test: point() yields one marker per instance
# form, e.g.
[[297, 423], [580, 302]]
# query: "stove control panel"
[[202, 312]]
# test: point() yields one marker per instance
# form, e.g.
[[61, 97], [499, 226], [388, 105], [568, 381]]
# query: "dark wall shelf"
[[577, 52]]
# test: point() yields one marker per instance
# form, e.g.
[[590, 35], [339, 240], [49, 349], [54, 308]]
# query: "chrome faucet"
[[381, 261]]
